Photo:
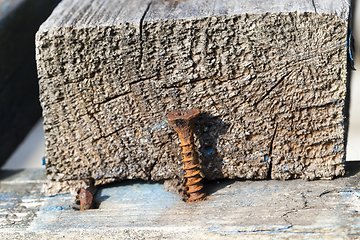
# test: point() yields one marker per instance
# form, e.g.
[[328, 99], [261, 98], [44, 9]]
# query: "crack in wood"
[[141, 33], [340, 190], [294, 210], [185, 83], [271, 89], [270, 158], [304, 199], [108, 135], [115, 97], [286, 218]]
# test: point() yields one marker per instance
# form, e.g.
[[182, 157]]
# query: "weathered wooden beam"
[[19, 103], [268, 76], [234, 210]]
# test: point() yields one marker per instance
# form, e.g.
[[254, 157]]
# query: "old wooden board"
[[270, 78], [273, 209]]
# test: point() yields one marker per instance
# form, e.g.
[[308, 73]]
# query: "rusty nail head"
[[86, 199]]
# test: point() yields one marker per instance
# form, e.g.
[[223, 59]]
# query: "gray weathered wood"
[[269, 77], [234, 210]]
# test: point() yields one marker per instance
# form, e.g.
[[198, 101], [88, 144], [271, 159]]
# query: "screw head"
[[86, 199], [183, 115], [182, 121]]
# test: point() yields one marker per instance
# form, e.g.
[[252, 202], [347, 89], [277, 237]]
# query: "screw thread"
[[192, 168]]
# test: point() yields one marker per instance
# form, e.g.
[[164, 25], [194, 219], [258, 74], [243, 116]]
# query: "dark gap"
[[141, 32], [270, 159]]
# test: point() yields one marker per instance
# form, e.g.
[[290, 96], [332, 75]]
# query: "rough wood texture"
[[234, 210], [269, 77]]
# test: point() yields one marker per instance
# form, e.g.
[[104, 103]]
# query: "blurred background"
[[19, 101], [353, 146], [30, 152]]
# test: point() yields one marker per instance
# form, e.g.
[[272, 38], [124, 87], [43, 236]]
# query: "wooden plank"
[[269, 77], [205, 8], [234, 210], [20, 199]]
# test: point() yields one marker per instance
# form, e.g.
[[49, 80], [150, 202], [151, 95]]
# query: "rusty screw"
[[183, 123], [86, 199]]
